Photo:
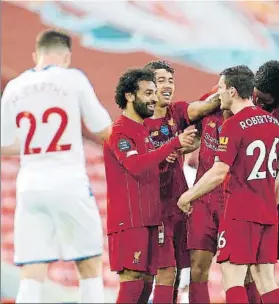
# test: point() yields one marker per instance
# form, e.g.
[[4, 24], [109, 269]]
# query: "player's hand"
[[172, 157], [184, 204], [187, 137]]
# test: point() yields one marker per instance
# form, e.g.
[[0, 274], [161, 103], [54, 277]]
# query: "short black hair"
[[129, 83], [241, 78], [53, 38], [267, 79], [159, 65]]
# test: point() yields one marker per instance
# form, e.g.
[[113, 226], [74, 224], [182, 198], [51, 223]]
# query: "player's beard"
[[141, 108]]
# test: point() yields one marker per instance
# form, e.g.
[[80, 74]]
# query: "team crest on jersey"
[[165, 130], [154, 133], [136, 259], [171, 122], [212, 124]]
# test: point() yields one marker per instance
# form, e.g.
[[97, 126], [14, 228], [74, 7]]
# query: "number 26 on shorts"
[[53, 145]]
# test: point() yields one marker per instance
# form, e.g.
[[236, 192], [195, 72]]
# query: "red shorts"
[[243, 242], [203, 224], [134, 249], [172, 250]]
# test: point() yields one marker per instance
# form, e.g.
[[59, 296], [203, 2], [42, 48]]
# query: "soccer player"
[[248, 156], [267, 92], [132, 170], [56, 216], [203, 222], [170, 119], [267, 87]]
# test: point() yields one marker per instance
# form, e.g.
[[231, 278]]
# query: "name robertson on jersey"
[[256, 120]]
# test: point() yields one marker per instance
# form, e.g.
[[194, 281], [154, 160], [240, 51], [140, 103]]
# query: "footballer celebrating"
[[248, 156]]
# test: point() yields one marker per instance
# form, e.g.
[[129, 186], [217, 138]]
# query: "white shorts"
[[51, 226]]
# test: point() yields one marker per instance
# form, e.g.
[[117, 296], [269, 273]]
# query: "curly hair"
[[267, 79], [241, 78], [129, 83], [159, 65]]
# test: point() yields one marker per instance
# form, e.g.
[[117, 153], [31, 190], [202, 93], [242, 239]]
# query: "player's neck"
[[239, 105], [159, 112], [133, 116], [47, 61]]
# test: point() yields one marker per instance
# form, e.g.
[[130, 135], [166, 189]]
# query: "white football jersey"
[[44, 110]]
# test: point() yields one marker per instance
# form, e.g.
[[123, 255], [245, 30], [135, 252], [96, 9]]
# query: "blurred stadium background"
[[199, 38]]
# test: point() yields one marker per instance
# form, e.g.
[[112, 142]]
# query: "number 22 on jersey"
[[272, 157], [53, 145]]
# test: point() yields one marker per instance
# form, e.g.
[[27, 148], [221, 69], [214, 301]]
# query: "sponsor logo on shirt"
[[137, 255], [124, 145], [165, 130], [211, 142]]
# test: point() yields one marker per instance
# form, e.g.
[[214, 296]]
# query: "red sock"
[[252, 293], [236, 294], [198, 293], [163, 294], [146, 292], [130, 292], [271, 297]]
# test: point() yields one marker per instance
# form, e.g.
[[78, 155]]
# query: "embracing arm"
[[199, 109]]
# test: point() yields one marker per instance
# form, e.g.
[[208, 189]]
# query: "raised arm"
[[199, 109]]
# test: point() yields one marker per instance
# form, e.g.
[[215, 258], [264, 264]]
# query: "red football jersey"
[[249, 144], [132, 172], [210, 128], [172, 179]]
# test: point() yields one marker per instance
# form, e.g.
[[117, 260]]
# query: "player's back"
[[48, 117], [253, 172]]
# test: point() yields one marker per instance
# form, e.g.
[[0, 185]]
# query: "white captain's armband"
[[133, 152]]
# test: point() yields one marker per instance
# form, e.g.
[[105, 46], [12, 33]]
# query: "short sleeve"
[[229, 142], [122, 146], [181, 110], [8, 121], [95, 116]]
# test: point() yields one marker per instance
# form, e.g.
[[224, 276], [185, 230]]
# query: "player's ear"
[[130, 97], [232, 91], [67, 59], [34, 56]]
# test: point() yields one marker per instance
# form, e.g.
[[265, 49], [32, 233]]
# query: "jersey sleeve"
[[125, 150], [229, 142], [8, 121], [95, 116]]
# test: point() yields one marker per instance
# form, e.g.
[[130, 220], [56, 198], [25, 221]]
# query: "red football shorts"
[[203, 224], [243, 242], [134, 249], [172, 248]]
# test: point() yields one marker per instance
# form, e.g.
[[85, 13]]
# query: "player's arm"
[[125, 150], [9, 142], [96, 122], [227, 151], [199, 109], [277, 184]]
